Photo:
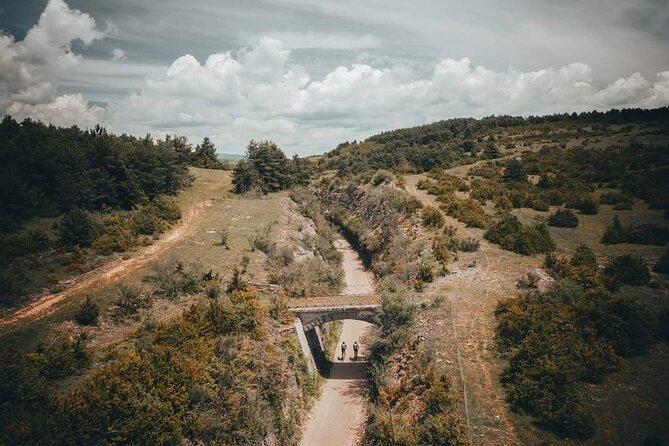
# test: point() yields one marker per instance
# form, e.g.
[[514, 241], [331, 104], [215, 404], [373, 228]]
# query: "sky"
[[311, 74]]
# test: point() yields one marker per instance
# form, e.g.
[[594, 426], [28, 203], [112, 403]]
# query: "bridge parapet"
[[314, 316]]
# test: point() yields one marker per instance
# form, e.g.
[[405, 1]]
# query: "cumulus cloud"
[[64, 111], [119, 55], [29, 69], [258, 93], [261, 92]]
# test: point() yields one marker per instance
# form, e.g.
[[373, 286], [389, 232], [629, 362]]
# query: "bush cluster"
[[563, 218], [512, 235], [432, 217], [627, 269], [559, 338], [467, 211], [644, 234], [587, 205], [213, 375], [421, 408]]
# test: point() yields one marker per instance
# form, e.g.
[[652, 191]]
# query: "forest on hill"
[[69, 195], [456, 141]]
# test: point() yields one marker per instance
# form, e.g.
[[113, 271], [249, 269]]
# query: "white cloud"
[[260, 92], [64, 111], [326, 40], [29, 69], [119, 55]]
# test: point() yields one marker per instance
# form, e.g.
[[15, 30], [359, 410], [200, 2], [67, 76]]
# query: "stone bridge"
[[312, 317], [309, 319], [312, 312]]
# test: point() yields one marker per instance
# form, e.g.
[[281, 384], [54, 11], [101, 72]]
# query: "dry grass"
[[240, 217], [629, 406]]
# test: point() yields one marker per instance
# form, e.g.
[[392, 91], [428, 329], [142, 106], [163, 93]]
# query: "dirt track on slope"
[[111, 272]]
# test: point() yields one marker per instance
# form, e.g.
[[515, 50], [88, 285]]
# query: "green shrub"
[[645, 234], [555, 339], [59, 358], [469, 212], [382, 177], [587, 205], [432, 217], [145, 222], [88, 313], [584, 256], [563, 218], [615, 233], [261, 240], [615, 198], [131, 300], [537, 203], [514, 171], [176, 279], [512, 235], [469, 244], [77, 228], [627, 269]]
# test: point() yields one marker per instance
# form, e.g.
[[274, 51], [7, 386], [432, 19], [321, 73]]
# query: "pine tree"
[[245, 177], [77, 228], [514, 171], [491, 151]]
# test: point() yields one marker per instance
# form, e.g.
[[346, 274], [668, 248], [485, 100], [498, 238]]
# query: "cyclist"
[[355, 349], [343, 350]]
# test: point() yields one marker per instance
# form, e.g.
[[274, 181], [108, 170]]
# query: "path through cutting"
[[338, 417]]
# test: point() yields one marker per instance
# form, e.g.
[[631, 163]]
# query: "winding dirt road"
[[338, 416], [111, 272]]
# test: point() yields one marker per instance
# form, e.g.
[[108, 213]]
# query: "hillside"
[[520, 265], [509, 207]]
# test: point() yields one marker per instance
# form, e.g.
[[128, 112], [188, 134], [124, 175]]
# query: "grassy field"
[[632, 404], [240, 217]]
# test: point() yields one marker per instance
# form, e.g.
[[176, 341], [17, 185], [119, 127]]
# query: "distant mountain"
[[229, 156]]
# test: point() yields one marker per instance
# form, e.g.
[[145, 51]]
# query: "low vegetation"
[[307, 264], [563, 218], [575, 332], [217, 374], [412, 404], [512, 235], [645, 234]]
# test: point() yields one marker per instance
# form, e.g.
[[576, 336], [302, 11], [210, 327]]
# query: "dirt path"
[[357, 279], [112, 271], [337, 418]]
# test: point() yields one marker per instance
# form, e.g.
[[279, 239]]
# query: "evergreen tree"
[[245, 177], [514, 171], [491, 151], [77, 228], [271, 164]]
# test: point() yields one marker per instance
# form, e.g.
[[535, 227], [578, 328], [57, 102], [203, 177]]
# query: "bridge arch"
[[309, 319], [313, 317]]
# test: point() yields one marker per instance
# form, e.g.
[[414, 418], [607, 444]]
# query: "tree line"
[[46, 171]]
